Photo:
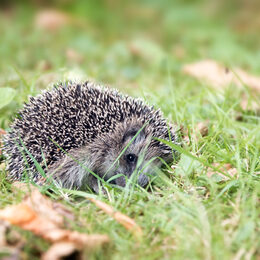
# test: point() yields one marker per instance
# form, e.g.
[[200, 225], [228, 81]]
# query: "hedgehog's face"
[[133, 151]]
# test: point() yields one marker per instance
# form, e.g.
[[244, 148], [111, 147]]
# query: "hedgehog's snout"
[[133, 164], [142, 181], [138, 152]]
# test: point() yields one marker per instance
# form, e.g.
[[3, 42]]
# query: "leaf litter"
[[47, 219], [44, 218], [219, 77]]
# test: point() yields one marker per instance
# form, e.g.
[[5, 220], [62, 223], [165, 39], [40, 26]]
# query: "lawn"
[[206, 206]]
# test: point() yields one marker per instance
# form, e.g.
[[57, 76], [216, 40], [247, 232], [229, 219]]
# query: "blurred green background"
[[132, 45]]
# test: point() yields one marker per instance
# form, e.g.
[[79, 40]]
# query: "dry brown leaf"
[[60, 250], [40, 204], [26, 218], [220, 76], [124, 220], [54, 208], [44, 207], [250, 80], [227, 168], [51, 20], [210, 71], [39, 215], [63, 211]]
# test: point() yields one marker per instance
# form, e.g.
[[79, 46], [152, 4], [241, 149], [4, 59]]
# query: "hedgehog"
[[81, 134]]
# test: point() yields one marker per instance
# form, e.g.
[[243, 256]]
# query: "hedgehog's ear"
[[131, 133]]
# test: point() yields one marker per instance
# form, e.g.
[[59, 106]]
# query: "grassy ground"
[[140, 47]]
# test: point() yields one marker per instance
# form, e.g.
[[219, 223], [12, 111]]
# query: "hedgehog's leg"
[[75, 171], [68, 172], [95, 185]]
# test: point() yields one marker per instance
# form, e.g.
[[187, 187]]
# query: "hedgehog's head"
[[131, 148]]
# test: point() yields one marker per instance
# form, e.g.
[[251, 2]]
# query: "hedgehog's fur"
[[76, 125]]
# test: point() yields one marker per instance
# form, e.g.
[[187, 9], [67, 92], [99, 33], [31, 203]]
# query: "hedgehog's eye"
[[131, 158]]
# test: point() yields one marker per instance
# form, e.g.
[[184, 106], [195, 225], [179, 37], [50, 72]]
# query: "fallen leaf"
[[44, 207], [38, 214], [41, 205], [220, 76], [51, 20], [60, 250], [63, 211], [124, 220], [227, 168], [24, 214], [250, 80], [210, 71]]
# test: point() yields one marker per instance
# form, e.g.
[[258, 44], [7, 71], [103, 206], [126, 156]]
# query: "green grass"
[[140, 47]]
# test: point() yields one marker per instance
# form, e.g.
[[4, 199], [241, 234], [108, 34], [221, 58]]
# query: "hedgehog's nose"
[[120, 181]]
